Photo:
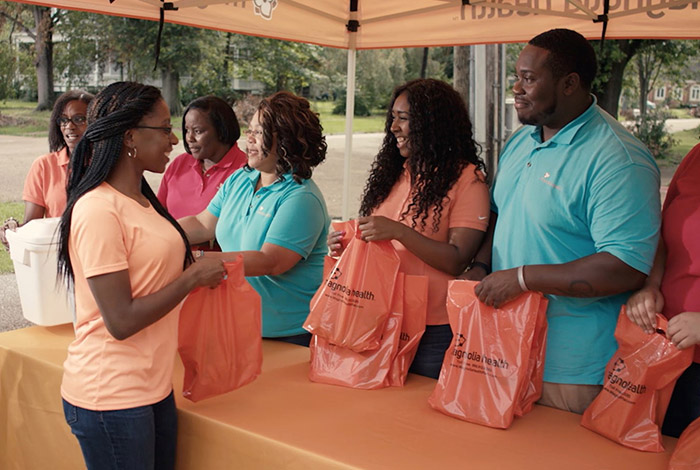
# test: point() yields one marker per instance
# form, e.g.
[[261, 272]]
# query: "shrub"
[[361, 108], [650, 129]]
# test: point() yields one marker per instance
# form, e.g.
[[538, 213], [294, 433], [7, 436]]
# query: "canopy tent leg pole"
[[349, 114]]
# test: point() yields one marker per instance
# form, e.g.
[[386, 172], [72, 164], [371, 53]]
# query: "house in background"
[[675, 96]]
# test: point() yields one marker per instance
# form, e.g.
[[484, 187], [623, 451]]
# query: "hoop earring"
[[132, 152]]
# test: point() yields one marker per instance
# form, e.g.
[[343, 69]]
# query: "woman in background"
[[131, 267], [44, 191], [673, 288], [427, 194], [210, 131], [273, 214]]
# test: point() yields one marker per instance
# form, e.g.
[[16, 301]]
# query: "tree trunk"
[[44, 57], [171, 91], [424, 63], [609, 91], [460, 71], [643, 77]]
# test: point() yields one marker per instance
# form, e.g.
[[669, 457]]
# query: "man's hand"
[[499, 288], [643, 306]]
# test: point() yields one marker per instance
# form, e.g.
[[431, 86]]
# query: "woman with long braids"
[[131, 266], [272, 213], [427, 194]]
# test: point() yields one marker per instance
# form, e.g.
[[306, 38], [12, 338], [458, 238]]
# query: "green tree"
[[280, 65], [38, 23], [100, 38], [661, 59]]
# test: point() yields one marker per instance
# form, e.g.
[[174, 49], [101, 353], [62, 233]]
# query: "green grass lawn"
[[684, 141], [27, 122], [335, 123], [24, 120]]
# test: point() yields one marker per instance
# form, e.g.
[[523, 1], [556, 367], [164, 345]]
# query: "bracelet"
[[521, 278], [10, 223], [483, 266]]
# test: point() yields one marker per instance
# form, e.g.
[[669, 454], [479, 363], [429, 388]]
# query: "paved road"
[[17, 154]]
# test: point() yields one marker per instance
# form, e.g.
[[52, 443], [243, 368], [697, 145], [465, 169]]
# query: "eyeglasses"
[[168, 130], [77, 120], [256, 135]]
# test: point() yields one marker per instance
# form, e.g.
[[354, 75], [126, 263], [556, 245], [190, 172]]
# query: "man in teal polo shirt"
[[576, 215]]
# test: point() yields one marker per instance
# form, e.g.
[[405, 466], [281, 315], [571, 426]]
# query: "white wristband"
[[521, 279]]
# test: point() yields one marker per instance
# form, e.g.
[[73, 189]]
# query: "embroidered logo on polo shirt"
[[261, 211], [545, 179]]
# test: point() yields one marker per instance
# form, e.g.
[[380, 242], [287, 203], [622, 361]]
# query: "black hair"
[[301, 145], [569, 52], [442, 145], [115, 110], [221, 115], [56, 140]]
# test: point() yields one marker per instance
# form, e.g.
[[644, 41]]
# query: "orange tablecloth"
[[283, 421]]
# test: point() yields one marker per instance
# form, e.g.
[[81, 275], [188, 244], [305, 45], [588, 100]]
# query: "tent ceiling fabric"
[[407, 23]]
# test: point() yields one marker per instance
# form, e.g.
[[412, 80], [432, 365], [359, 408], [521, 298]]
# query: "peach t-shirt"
[[45, 184], [109, 233], [468, 207]]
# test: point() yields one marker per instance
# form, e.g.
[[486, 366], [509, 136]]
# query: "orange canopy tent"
[[368, 24], [407, 23]]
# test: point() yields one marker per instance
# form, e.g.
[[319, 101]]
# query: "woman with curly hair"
[[272, 213], [427, 194]]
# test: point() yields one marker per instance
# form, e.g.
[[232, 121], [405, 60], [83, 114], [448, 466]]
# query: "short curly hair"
[[301, 145], [442, 145]]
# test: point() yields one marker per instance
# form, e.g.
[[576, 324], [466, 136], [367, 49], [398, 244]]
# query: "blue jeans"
[[301, 340], [431, 351], [684, 407], [141, 438]]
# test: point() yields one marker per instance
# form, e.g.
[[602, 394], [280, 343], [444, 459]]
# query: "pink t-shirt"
[[184, 190], [468, 207], [681, 233], [45, 184], [109, 233]]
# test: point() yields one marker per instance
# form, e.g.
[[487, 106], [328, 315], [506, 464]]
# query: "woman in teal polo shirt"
[[272, 213]]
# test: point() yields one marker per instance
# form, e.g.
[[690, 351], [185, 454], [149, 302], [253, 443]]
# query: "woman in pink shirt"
[[210, 131], [673, 288], [131, 266]]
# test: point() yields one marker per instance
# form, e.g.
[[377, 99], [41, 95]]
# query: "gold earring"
[[132, 152]]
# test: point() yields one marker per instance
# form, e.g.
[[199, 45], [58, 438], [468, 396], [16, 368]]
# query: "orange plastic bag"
[[639, 380], [351, 307], [415, 311], [686, 456], [532, 389], [336, 365], [487, 365], [220, 337]]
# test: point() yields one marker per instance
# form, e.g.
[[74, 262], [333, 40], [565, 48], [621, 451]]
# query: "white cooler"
[[34, 252]]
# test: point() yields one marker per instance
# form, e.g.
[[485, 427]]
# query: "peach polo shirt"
[[468, 207], [45, 184], [109, 233]]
